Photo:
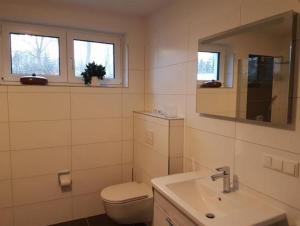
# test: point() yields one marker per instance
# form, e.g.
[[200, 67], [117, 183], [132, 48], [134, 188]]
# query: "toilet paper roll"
[[65, 180]]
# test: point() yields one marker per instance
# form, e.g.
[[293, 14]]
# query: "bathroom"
[[63, 143]]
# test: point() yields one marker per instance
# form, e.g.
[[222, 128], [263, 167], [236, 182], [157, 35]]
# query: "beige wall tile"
[[4, 137], [127, 151], [136, 82], [6, 217], [5, 165], [96, 130], [167, 80], [95, 90], [44, 213], [96, 105], [127, 128], [249, 168], [3, 89], [38, 89], [150, 161], [96, 155], [210, 150], [213, 125], [127, 170], [5, 193], [28, 135], [94, 180], [265, 8], [143, 129], [3, 108], [38, 106], [36, 162], [37, 189], [132, 102], [87, 205], [166, 102]]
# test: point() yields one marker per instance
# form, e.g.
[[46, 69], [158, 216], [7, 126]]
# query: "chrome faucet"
[[225, 174]]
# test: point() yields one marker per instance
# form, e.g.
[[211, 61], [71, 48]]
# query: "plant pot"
[[95, 81]]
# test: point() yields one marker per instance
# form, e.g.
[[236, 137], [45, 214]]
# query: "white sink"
[[201, 200]]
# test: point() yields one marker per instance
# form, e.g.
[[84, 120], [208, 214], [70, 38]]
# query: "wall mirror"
[[248, 73]]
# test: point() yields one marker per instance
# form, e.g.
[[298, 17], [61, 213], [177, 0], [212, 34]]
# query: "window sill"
[[63, 84]]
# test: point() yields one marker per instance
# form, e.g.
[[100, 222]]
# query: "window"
[[34, 54], [59, 54], [87, 47], [31, 49], [208, 65], [87, 52]]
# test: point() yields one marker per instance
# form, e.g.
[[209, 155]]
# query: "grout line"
[[11, 160], [54, 173]]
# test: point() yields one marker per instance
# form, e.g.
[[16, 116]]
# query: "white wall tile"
[[38, 106], [5, 165], [89, 131], [6, 217], [94, 180], [5, 193], [28, 135], [87, 205], [96, 155], [36, 162], [44, 213], [37, 189], [96, 105]]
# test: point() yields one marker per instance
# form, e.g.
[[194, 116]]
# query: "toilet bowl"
[[128, 203]]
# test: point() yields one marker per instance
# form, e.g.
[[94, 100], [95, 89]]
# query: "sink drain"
[[210, 215]]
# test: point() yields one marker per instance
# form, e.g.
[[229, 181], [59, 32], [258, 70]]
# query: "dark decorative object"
[[211, 84], [93, 70], [34, 80]]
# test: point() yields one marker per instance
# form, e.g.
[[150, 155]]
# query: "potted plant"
[[92, 73]]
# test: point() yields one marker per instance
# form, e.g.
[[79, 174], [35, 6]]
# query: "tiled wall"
[[171, 47], [47, 129]]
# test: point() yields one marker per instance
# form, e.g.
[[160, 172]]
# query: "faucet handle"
[[225, 169]]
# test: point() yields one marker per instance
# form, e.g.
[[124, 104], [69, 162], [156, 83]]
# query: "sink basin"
[[202, 200]]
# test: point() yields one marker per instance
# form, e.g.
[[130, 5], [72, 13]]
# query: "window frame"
[[98, 37], [19, 28]]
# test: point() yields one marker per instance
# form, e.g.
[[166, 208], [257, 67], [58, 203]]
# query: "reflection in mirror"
[[248, 72]]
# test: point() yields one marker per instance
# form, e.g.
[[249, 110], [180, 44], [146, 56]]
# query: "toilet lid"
[[122, 193]]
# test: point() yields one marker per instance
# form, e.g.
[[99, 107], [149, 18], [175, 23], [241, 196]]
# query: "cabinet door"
[[161, 218]]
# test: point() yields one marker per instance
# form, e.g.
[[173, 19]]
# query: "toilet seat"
[[127, 192]]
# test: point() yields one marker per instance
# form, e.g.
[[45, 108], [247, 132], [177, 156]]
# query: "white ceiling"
[[132, 7]]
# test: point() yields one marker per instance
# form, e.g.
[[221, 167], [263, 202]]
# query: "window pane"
[[87, 52], [208, 66], [34, 54]]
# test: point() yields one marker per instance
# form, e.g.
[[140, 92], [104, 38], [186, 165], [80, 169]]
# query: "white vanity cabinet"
[[165, 214]]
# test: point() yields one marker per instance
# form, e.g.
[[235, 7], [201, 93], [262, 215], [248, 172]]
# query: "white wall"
[[171, 55], [47, 129]]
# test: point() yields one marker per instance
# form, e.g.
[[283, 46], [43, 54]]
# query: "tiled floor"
[[101, 220]]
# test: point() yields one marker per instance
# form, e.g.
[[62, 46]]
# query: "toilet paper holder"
[[65, 180]]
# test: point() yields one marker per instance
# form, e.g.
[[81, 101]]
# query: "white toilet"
[[129, 203]]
